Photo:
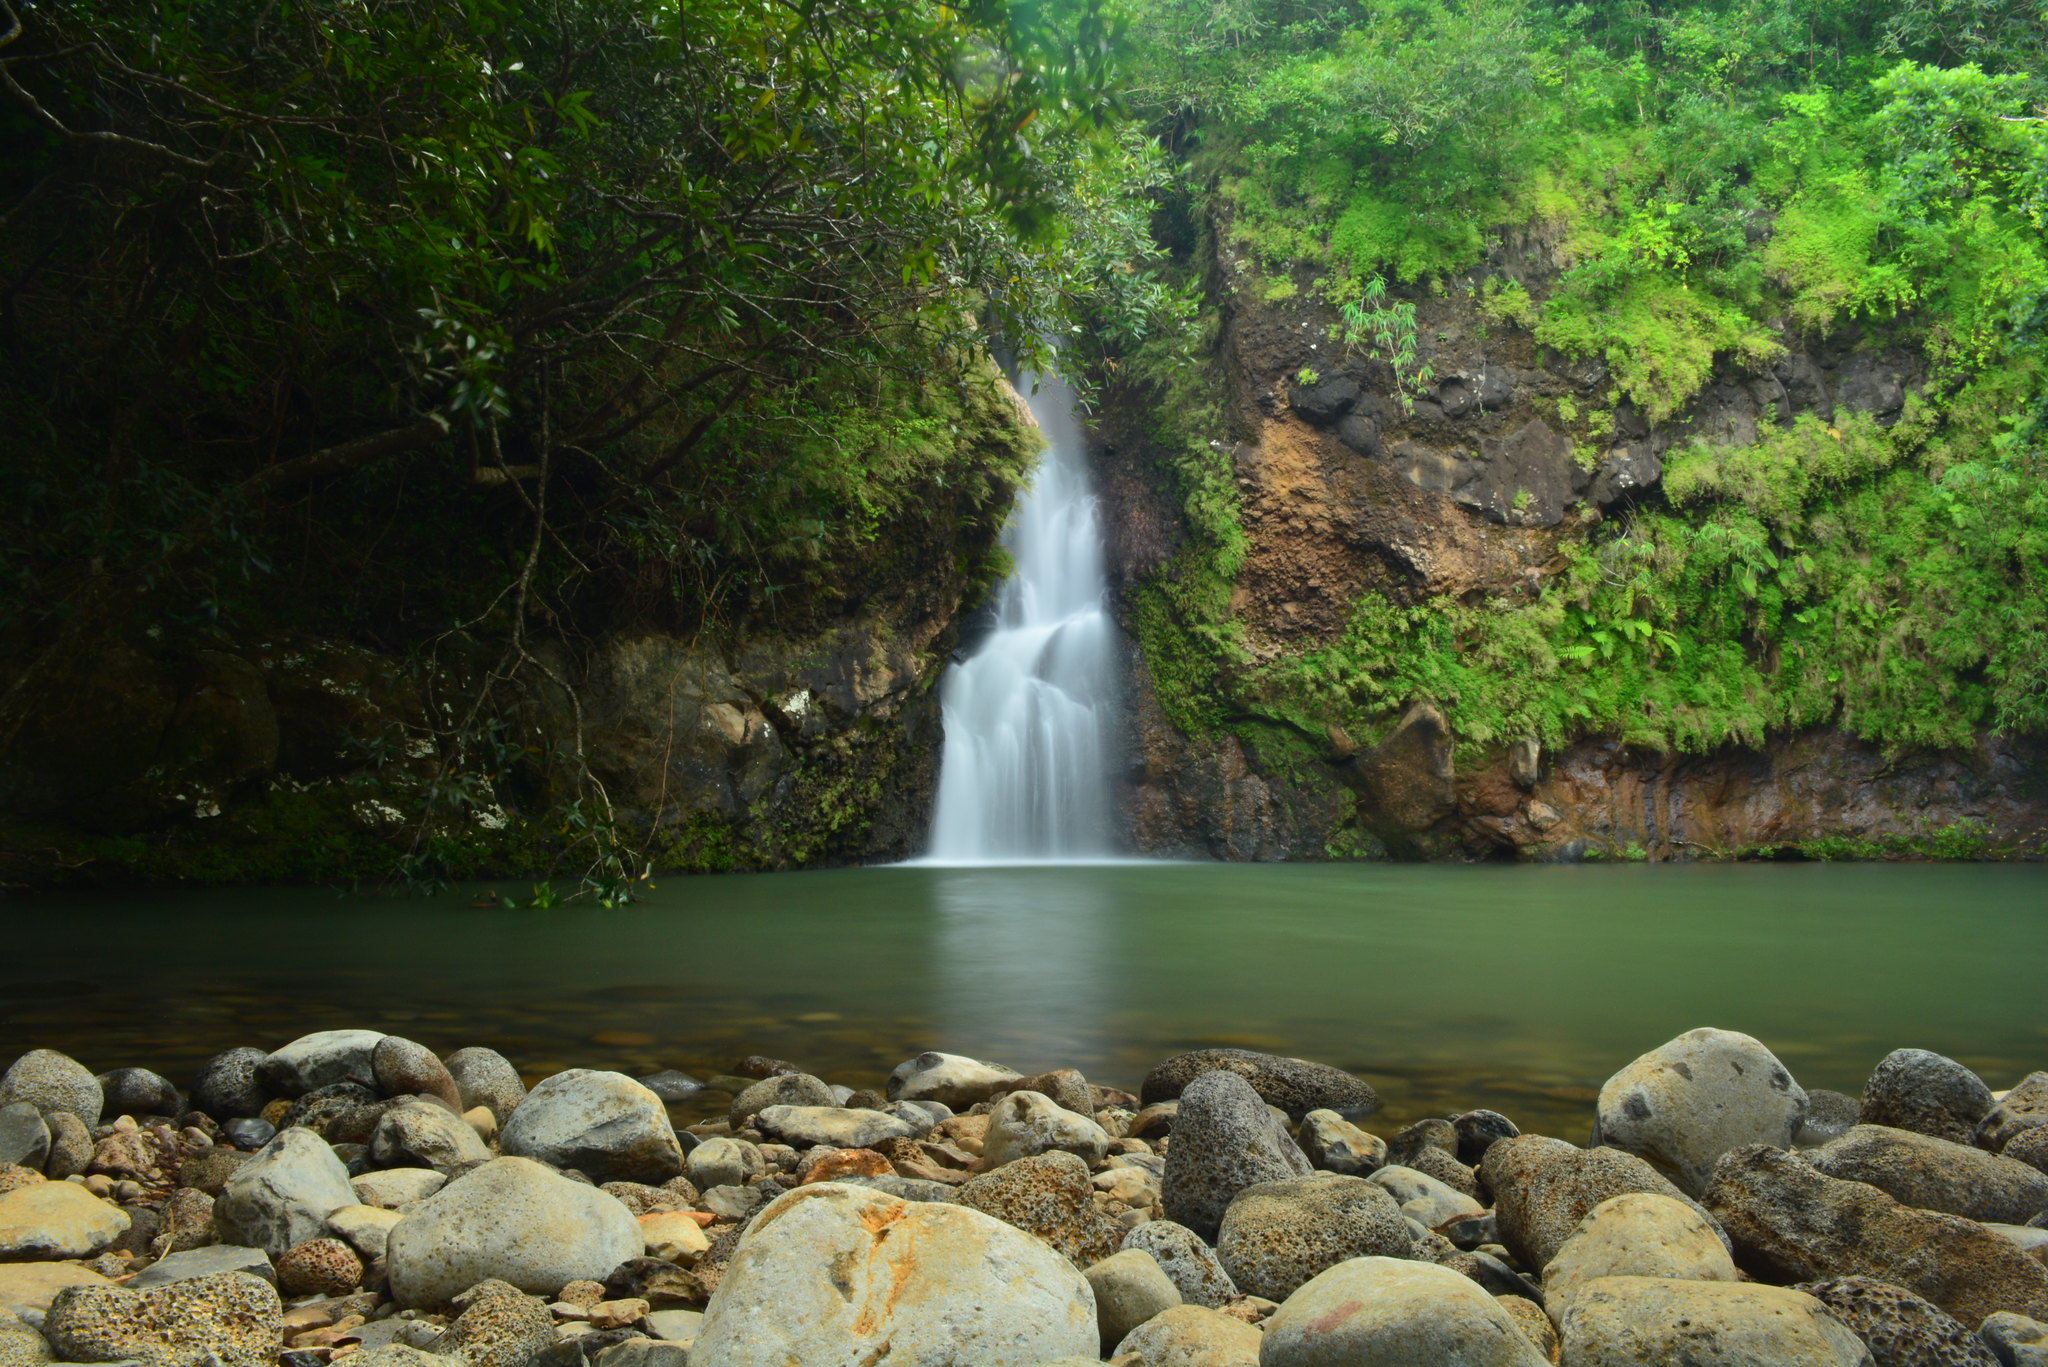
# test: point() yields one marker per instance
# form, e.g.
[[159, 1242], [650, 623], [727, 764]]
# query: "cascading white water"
[[1029, 718]]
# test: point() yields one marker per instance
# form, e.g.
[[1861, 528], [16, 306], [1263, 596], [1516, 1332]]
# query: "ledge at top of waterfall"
[[1030, 717]]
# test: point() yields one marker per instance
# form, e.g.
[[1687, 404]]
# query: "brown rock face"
[[1792, 1223], [1405, 782]]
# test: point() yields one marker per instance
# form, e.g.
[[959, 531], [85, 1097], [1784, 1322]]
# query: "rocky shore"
[[352, 1197]]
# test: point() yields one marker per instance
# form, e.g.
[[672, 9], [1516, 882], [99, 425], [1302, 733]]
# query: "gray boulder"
[[724, 1162], [1899, 1328], [1685, 1103], [954, 1079], [422, 1134], [838, 1276], [1224, 1140], [24, 1138], [139, 1092], [1295, 1085], [1793, 1223], [1936, 1174], [209, 1261], [1026, 1123], [283, 1195], [2015, 1340], [227, 1086], [1913, 1089], [1392, 1312], [50, 1081], [1278, 1235], [511, 1220], [604, 1125], [71, 1146], [319, 1060], [485, 1077], [1624, 1321], [833, 1126], [1543, 1188], [1191, 1265]]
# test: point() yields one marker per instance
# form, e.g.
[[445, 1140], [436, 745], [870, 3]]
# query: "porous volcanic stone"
[[1793, 1223], [1687, 1102], [1048, 1195], [1936, 1174], [21, 1345], [1295, 1085], [1627, 1321], [1277, 1235], [50, 1081], [138, 1092], [1543, 1188], [1899, 1328], [838, 1276], [512, 1220], [1391, 1312], [604, 1125], [500, 1326], [2025, 1107], [1189, 1264], [1224, 1140], [319, 1267], [228, 1318], [1913, 1089]]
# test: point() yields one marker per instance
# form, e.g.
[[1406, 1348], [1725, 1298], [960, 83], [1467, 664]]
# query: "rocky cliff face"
[[159, 751], [1469, 490]]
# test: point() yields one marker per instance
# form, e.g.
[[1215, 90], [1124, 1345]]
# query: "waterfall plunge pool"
[[1447, 987]]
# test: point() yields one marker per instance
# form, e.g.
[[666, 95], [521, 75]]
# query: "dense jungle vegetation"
[[452, 327], [1718, 178]]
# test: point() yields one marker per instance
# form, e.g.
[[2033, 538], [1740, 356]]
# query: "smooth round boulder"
[[954, 1079], [1422, 1198], [1224, 1140], [2015, 1340], [1026, 1123], [1295, 1085], [1687, 1102], [283, 1194], [1191, 1336], [1479, 1131], [405, 1068], [604, 1125], [420, 1134], [782, 1089], [139, 1092], [485, 1077], [1926, 1092], [1191, 1265], [723, 1162], [1899, 1328], [319, 1060], [1129, 1289], [833, 1126], [512, 1220], [227, 1087], [50, 1081], [841, 1276], [1629, 1321], [57, 1220], [1637, 1235], [1391, 1312], [1278, 1235]]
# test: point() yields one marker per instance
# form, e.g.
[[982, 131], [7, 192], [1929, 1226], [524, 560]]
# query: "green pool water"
[[1446, 987]]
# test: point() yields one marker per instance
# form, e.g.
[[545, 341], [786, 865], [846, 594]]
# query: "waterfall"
[[1029, 716]]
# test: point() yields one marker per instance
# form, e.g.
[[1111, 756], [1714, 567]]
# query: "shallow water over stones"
[[1446, 988]]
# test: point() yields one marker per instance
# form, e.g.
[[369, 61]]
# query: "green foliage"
[[1387, 330]]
